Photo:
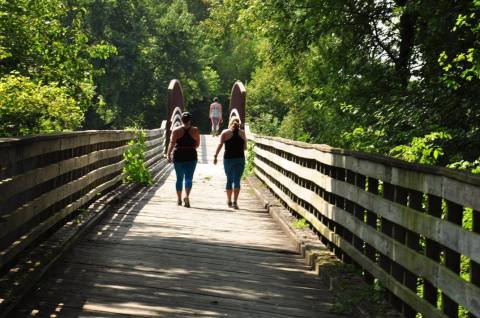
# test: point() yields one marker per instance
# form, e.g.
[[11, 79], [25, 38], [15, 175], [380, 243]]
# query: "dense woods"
[[398, 77]]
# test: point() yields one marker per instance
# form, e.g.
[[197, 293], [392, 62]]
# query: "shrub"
[[135, 169], [28, 108]]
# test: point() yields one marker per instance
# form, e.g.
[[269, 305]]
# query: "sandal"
[[235, 205], [186, 202], [179, 202], [229, 204]]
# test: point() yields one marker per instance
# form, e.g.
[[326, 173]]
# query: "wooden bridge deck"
[[154, 259]]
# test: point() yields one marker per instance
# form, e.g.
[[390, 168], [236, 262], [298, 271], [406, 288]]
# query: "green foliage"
[[155, 41], [46, 41], [47, 67], [250, 160], [463, 65], [135, 169], [370, 77], [473, 167], [300, 224], [426, 149], [226, 46], [364, 77], [364, 139], [28, 108], [265, 124]]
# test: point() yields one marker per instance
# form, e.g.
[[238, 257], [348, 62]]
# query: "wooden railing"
[[44, 179], [412, 227]]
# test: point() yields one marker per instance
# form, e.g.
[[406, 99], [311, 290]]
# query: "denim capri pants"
[[234, 170], [184, 169]]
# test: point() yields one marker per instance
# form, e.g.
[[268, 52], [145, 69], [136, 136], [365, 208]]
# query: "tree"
[[44, 43], [155, 42], [28, 108], [367, 73]]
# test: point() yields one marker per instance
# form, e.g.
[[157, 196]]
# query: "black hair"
[[186, 117]]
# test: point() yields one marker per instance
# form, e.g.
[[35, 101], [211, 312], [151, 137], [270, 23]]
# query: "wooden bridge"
[[76, 242]]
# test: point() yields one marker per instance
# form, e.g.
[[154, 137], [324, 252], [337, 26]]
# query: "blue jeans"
[[184, 169], [234, 170]]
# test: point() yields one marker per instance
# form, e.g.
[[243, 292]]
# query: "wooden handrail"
[[402, 223], [46, 178]]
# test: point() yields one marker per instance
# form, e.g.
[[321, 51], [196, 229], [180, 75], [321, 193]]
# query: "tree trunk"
[[407, 41]]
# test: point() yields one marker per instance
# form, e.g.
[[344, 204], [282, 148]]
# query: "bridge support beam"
[[237, 102], [174, 105]]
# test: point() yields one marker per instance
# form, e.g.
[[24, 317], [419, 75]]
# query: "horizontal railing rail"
[[414, 228], [44, 179]]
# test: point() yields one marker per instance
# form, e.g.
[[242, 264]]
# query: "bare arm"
[[244, 136], [219, 147], [196, 137], [171, 145]]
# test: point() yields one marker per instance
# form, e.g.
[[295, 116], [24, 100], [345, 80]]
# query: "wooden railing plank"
[[475, 266], [446, 233], [45, 179], [25, 181], [25, 240], [32, 146], [12, 221], [450, 184], [398, 289], [461, 291], [370, 251]]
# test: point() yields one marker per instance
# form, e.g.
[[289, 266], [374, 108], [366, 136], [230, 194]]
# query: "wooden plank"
[[223, 257], [12, 221], [475, 267], [162, 302], [447, 233], [399, 233], [386, 227], [452, 259], [396, 288], [25, 181], [432, 249], [158, 151], [359, 211], [152, 277], [289, 296], [25, 240], [158, 132], [153, 143], [27, 147], [462, 292], [371, 221], [451, 184], [412, 240]]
